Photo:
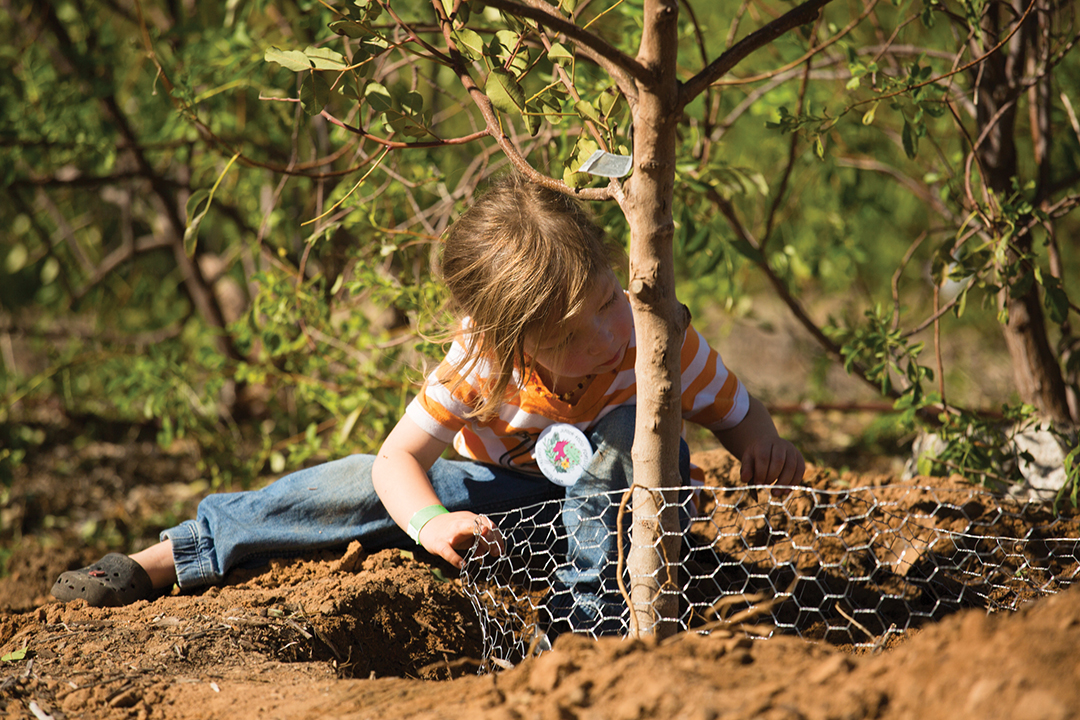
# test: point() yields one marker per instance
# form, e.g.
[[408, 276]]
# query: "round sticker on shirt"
[[562, 452]]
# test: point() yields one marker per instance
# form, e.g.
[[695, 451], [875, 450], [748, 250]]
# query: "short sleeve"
[[712, 395]]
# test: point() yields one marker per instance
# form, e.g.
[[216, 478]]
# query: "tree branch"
[[800, 313], [194, 283], [622, 68], [801, 15], [495, 129]]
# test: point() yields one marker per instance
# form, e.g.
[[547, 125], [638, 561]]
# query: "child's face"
[[594, 341]]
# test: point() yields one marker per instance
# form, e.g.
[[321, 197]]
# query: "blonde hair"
[[518, 263]]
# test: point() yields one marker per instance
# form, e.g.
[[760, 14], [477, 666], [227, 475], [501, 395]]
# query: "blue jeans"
[[335, 503], [586, 595]]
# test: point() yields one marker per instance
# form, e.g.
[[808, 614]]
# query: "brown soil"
[[391, 635]]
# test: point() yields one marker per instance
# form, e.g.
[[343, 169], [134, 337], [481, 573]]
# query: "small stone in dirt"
[[126, 699], [352, 560]]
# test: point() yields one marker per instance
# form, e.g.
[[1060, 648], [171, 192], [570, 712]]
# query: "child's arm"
[[765, 456], [401, 481]]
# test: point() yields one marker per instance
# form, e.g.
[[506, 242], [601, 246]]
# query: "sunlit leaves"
[[290, 59], [14, 655], [559, 54], [587, 111], [325, 59], [504, 92], [508, 50], [469, 43]]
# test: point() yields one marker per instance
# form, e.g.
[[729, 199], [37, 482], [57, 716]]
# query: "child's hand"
[[444, 535], [773, 459]]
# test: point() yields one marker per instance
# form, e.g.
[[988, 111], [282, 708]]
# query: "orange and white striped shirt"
[[711, 396]]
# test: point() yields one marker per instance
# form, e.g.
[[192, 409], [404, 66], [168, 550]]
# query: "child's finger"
[[793, 471], [791, 474], [747, 474], [762, 465], [491, 540], [446, 552]]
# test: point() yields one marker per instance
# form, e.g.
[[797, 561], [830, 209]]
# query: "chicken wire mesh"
[[848, 566]]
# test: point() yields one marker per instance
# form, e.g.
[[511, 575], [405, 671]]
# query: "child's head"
[[518, 263]]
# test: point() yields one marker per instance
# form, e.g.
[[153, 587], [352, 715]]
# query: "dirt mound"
[[266, 647], [391, 634]]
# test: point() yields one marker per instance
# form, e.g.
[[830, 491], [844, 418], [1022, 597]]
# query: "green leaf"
[[14, 655], [507, 47], [325, 59], [508, 39], [412, 103], [314, 93], [515, 23], [1057, 303], [549, 98], [584, 149], [868, 118], [559, 54], [607, 101], [405, 125], [575, 179], [378, 97], [532, 117], [291, 59], [349, 28], [197, 206], [911, 141], [504, 92], [587, 111], [469, 43]]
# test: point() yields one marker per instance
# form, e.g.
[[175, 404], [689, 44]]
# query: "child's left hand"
[[766, 457], [772, 459]]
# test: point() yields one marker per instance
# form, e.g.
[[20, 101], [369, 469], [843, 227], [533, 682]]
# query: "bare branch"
[[802, 15], [796, 308]]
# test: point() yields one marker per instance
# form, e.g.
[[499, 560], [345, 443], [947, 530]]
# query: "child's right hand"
[[445, 535]]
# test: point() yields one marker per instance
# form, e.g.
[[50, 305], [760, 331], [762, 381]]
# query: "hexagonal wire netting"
[[852, 566]]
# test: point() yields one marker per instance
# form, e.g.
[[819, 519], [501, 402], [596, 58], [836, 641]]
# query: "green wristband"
[[422, 518]]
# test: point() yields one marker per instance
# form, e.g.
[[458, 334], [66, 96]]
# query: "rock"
[[1038, 455]]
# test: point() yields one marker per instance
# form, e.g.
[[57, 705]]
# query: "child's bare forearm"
[[402, 484], [756, 426], [400, 477], [400, 471], [765, 456]]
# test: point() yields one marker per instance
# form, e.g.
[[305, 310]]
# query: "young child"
[[546, 336]]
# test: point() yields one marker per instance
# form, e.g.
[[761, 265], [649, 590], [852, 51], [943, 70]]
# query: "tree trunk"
[[659, 322], [1038, 376]]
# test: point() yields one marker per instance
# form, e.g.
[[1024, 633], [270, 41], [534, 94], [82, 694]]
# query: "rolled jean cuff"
[[192, 570]]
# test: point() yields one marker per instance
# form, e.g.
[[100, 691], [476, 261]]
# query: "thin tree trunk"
[[1036, 371], [659, 321]]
